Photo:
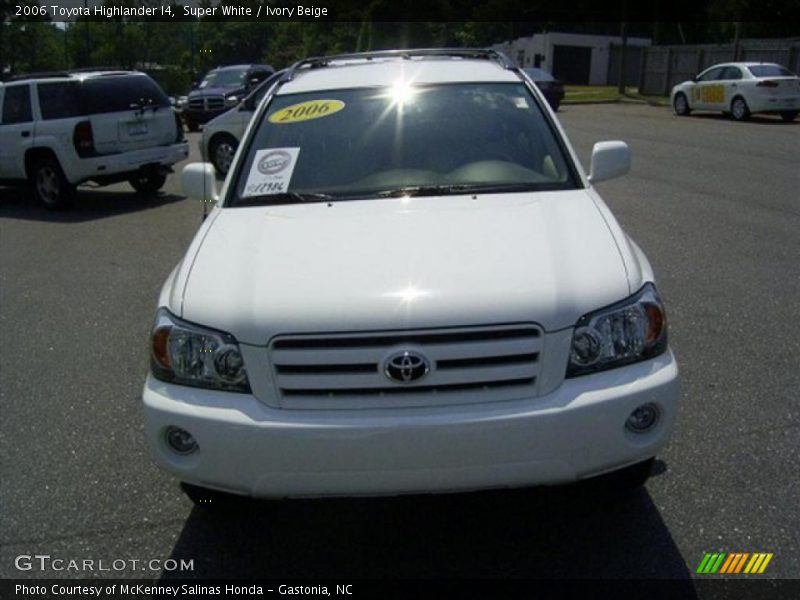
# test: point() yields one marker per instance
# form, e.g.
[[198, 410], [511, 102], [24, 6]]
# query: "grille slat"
[[332, 355], [467, 365], [377, 381]]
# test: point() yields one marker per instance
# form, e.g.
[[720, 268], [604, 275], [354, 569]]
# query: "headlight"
[[629, 331], [231, 101], [188, 354]]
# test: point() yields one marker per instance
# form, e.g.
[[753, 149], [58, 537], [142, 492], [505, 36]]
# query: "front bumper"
[[575, 432], [200, 117], [108, 165]]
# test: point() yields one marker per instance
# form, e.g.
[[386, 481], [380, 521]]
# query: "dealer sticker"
[[271, 171], [305, 111]]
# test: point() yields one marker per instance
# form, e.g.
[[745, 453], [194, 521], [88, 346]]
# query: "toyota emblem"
[[406, 367]]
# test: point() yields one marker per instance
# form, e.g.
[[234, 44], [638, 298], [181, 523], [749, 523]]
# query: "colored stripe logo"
[[734, 563]]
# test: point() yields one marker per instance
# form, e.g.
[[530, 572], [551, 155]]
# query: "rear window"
[[357, 142], [60, 100], [770, 71], [120, 93]]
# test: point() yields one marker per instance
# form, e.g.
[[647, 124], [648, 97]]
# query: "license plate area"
[[137, 128]]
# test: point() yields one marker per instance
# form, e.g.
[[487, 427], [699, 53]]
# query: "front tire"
[[221, 151], [739, 109], [148, 182], [789, 115], [681, 105], [50, 186]]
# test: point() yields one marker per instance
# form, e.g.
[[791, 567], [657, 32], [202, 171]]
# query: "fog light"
[[642, 419], [180, 440]]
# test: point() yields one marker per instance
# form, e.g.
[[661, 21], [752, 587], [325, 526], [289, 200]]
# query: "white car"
[[63, 129], [221, 135], [407, 284], [740, 89]]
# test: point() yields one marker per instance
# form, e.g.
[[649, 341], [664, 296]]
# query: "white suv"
[[407, 284], [62, 129]]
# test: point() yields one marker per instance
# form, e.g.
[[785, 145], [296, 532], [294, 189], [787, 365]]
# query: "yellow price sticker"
[[305, 111]]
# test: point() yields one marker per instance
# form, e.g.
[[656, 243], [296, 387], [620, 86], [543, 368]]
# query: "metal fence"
[[662, 67]]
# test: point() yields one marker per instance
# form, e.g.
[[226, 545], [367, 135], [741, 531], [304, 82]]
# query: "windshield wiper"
[[463, 188], [284, 198]]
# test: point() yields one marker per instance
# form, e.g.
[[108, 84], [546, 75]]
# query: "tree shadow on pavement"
[[578, 531], [90, 204]]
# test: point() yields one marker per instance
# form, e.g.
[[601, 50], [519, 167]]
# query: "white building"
[[571, 57]]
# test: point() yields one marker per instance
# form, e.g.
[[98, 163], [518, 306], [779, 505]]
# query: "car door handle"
[[26, 134]]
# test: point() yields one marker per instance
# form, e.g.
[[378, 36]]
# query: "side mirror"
[[609, 160], [199, 182]]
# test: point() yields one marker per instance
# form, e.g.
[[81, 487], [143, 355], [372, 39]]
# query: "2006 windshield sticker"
[[305, 111], [271, 171]]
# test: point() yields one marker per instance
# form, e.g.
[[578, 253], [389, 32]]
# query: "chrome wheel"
[[739, 109], [223, 156], [48, 185], [681, 105]]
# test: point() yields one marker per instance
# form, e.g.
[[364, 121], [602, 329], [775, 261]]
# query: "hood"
[[215, 91], [547, 258]]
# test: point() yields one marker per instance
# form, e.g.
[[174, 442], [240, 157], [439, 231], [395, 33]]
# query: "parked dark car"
[[551, 87], [221, 89]]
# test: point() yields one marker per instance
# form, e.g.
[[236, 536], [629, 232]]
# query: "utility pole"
[[623, 32], [736, 49], [86, 36]]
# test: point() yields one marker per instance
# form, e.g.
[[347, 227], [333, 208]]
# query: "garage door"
[[571, 64]]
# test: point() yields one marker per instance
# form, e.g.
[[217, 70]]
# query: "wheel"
[[739, 109], [192, 126], [211, 499], [148, 182], [50, 186], [221, 151], [789, 115], [681, 105], [555, 105]]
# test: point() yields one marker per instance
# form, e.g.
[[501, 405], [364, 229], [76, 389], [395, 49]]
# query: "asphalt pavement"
[[713, 203]]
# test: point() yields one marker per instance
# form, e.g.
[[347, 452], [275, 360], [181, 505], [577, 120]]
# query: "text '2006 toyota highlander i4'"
[[407, 285]]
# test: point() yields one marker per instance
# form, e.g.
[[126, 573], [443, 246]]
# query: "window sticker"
[[520, 102], [305, 111], [271, 171]]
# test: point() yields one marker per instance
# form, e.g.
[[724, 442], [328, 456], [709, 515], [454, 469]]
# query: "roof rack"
[[38, 75], [324, 61], [99, 69]]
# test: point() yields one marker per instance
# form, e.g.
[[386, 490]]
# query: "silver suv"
[[58, 130]]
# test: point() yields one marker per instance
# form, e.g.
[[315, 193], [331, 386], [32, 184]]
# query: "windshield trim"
[[574, 180]]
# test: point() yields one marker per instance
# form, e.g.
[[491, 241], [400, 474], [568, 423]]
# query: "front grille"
[[467, 365], [207, 103], [215, 102]]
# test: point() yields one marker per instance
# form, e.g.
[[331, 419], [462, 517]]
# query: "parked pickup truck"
[[221, 89]]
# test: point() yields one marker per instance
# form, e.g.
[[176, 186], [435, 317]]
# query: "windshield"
[[425, 140], [770, 71], [224, 78]]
